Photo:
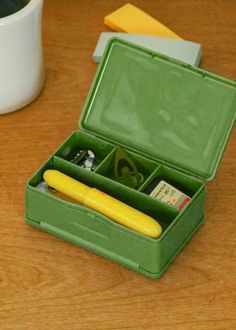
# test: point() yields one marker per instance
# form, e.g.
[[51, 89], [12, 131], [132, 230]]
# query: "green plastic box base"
[[174, 120]]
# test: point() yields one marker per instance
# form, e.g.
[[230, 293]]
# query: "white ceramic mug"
[[21, 58]]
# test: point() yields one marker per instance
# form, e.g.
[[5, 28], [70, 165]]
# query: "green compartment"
[[144, 166], [97, 233], [84, 141], [174, 120], [185, 183]]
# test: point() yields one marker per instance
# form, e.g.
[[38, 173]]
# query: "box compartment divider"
[[163, 213]]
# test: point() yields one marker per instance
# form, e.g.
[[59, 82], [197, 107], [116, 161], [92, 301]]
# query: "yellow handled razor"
[[103, 203]]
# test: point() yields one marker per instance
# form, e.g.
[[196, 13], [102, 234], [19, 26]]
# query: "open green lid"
[[165, 109]]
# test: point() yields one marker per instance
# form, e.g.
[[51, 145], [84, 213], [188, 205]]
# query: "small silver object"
[[88, 161]]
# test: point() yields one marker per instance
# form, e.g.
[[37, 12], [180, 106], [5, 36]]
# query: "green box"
[[174, 120]]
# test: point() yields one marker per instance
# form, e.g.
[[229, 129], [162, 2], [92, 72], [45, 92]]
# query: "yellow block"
[[133, 20]]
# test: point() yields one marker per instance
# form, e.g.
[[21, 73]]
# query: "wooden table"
[[47, 283]]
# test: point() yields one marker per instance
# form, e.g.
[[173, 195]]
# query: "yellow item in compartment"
[[131, 19], [103, 203]]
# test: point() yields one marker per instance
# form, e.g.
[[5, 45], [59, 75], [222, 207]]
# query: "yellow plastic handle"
[[103, 203]]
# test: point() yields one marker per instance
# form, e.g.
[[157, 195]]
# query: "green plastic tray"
[[174, 120]]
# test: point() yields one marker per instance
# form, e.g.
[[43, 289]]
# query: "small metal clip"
[[88, 161], [83, 158]]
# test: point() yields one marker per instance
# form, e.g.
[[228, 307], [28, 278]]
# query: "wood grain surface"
[[47, 283]]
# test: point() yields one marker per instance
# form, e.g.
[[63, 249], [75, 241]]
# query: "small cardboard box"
[[174, 121]]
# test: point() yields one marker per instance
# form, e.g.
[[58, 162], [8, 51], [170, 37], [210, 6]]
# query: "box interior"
[[102, 177]]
